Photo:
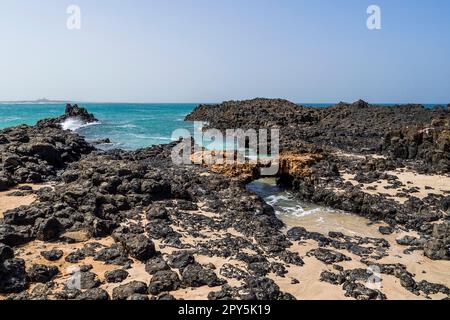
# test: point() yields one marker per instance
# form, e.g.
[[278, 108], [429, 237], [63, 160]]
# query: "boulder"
[[6, 253], [116, 276], [164, 281], [194, 275], [438, 247], [42, 273], [125, 291], [13, 277], [52, 255]]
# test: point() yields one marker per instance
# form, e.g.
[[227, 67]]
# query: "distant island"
[[43, 100]]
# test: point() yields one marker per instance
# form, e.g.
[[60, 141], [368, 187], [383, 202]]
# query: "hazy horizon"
[[63, 101], [203, 51]]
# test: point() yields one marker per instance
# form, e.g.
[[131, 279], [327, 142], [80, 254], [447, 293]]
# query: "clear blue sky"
[[214, 50]]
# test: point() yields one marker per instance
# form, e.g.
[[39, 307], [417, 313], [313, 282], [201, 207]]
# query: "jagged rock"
[[332, 278], [263, 289], [139, 246], [89, 280], [52, 255], [96, 294], [14, 235], [438, 247], [156, 264], [164, 281], [48, 229], [406, 240], [138, 297], [13, 277], [386, 230], [180, 259], [125, 291], [157, 212], [360, 292], [42, 273], [6, 253], [194, 275], [116, 276], [329, 256]]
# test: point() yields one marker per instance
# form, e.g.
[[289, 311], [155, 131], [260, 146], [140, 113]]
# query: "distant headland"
[[42, 100]]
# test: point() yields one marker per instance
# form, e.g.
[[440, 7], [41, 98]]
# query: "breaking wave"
[[74, 124]]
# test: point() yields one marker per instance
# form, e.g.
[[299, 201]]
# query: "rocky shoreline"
[[134, 226]]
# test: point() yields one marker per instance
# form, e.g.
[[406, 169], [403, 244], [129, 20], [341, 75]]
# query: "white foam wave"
[[143, 136], [275, 199], [128, 126], [286, 205], [8, 119], [74, 124]]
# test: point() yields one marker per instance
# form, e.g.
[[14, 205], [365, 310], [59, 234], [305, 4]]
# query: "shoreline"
[[160, 227]]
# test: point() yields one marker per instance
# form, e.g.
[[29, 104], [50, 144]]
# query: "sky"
[[310, 51]]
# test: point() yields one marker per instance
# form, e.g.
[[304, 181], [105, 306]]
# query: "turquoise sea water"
[[128, 126]]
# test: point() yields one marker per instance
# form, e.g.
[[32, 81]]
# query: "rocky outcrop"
[[428, 143], [438, 247], [357, 127], [71, 112], [35, 154]]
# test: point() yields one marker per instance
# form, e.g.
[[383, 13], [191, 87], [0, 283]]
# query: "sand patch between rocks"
[[425, 184], [11, 202]]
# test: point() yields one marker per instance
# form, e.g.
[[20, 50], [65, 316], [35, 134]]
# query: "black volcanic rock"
[[438, 247], [52, 255], [82, 113], [13, 277], [116, 276], [71, 112], [6, 253], [397, 131], [35, 154], [42, 273]]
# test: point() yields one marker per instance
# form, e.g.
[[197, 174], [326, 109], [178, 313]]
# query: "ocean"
[[129, 126]]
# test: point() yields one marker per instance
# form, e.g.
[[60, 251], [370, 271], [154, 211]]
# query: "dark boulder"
[[13, 277], [256, 288], [116, 276], [95, 294], [48, 229], [52, 255], [329, 256], [332, 278], [140, 247], [42, 273], [194, 275], [156, 264], [360, 292], [157, 212], [14, 235], [180, 259], [164, 281], [386, 230], [6, 253], [438, 247], [89, 280], [125, 291]]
